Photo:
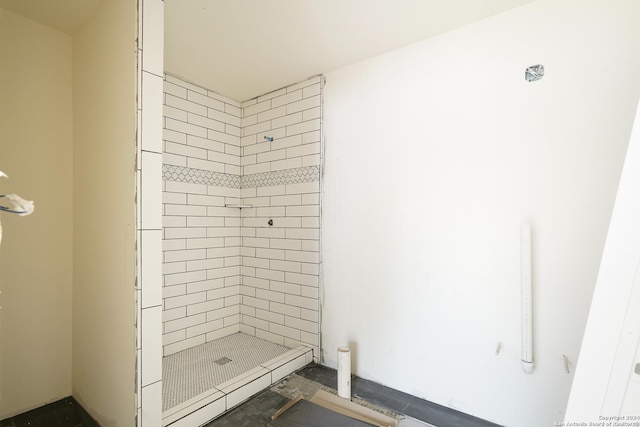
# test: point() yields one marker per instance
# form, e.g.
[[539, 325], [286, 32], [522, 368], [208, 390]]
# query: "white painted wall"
[[434, 156], [606, 384]]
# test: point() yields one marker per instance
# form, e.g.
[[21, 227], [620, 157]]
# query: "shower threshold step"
[[212, 403]]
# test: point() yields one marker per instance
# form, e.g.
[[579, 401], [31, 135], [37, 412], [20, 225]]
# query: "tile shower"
[[241, 218], [241, 215], [240, 241], [228, 238]]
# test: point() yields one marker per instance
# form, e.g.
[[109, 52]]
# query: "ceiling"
[[245, 48], [63, 15]]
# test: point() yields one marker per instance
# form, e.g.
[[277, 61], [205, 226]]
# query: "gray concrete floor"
[[409, 410]]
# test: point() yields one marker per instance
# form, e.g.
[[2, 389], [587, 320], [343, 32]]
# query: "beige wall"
[[104, 107], [36, 251]]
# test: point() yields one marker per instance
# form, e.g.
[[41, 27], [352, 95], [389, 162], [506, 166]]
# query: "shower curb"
[[215, 402]]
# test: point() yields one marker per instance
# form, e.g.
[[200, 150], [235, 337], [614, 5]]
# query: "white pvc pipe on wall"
[[526, 357]]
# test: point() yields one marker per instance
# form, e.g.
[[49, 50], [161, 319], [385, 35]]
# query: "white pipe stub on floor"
[[344, 372]]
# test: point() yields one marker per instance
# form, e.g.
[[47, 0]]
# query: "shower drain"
[[222, 361]]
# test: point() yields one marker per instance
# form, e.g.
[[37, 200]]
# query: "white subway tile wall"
[[201, 242], [281, 232], [255, 269], [149, 204]]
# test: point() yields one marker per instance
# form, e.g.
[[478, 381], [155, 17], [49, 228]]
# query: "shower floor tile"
[[203, 382], [192, 372]]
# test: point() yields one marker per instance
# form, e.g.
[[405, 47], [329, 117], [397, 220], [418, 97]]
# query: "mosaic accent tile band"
[[265, 179], [200, 176], [287, 176]]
